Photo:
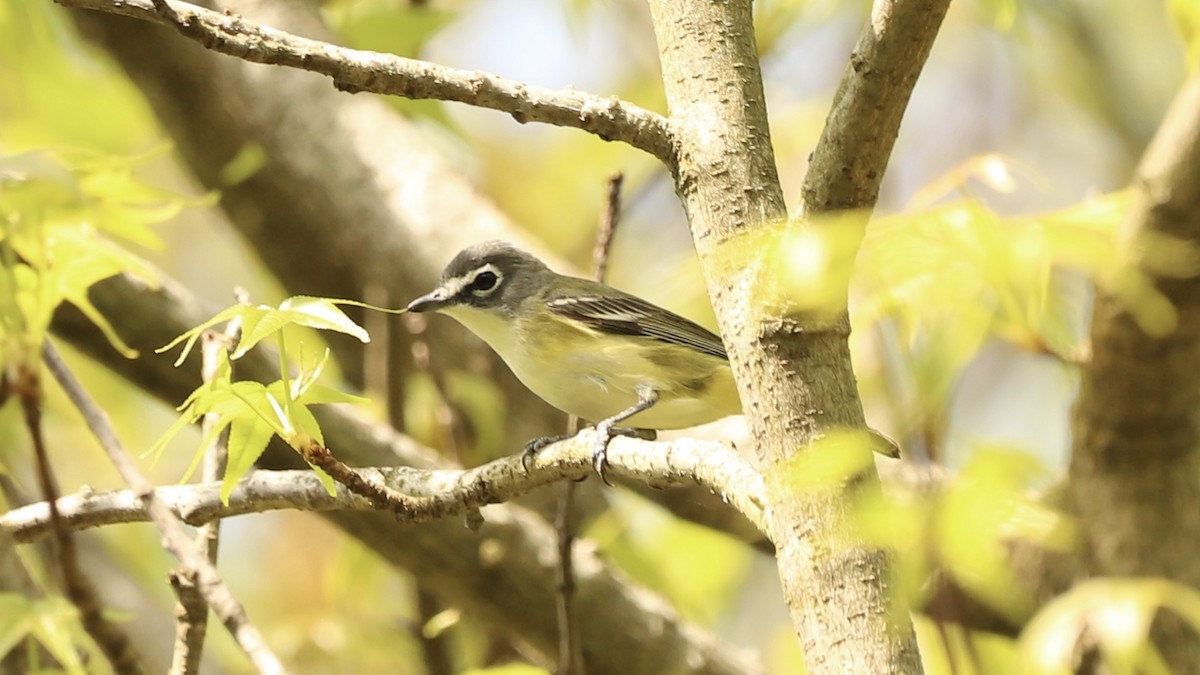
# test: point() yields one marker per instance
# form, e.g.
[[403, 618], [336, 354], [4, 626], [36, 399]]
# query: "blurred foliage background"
[[969, 297]]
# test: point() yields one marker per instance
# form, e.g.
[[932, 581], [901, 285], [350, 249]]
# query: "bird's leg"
[[604, 429]]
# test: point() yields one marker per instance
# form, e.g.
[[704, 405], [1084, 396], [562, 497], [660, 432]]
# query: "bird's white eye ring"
[[484, 283]]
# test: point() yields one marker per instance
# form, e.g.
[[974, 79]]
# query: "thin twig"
[[449, 418], [191, 611], [352, 70], [435, 645], [113, 641], [570, 649], [608, 226], [380, 495], [175, 538]]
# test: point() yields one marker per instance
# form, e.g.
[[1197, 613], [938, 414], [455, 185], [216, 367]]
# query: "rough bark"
[[794, 372], [1135, 468]]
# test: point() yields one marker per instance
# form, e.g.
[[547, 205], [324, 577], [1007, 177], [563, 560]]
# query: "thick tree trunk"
[[794, 374], [1135, 469]]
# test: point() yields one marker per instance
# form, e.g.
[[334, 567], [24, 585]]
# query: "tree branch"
[[332, 160], [1136, 451], [355, 71], [191, 610], [441, 493], [215, 592], [848, 164], [793, 370], [26, 383]]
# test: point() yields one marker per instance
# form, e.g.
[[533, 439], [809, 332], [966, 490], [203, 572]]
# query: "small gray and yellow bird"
[[586, 348], [591, 350]]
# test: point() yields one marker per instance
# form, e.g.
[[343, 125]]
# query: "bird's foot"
[[536, 444], [604, 434]]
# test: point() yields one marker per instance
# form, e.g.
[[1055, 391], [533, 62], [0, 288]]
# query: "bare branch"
[[848, 164], [191, 611], [353, 70], [570, 648], [439, 493], [176, 539]]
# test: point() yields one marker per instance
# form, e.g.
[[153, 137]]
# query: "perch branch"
[[439, 492]]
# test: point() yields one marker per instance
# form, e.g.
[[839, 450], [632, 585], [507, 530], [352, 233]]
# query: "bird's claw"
[[534, 445], [604, 434]]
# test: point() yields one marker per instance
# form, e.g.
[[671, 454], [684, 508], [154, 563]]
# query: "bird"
[[586, 348], [592, 350]]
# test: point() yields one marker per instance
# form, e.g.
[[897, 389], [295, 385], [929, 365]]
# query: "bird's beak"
[[430, 302]]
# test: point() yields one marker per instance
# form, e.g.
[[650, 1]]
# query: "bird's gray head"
[[493, 276]]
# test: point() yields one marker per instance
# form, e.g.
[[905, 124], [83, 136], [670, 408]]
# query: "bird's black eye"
[[484, 283]]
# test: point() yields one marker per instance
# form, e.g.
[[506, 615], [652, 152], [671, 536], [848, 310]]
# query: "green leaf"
[[323, 314], [53, 620], [16, 620], [1185, 16], [248, 438], [61, 211], [190, 337], [305, 425], [203, 399], [977, 517], [1113, 613], [261, 321]]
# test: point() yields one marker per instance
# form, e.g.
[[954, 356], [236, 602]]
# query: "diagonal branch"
[[26, 383], [848, 164], [230, 611], [354, 70]]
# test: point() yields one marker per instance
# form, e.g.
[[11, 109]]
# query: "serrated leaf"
[[248, 438], [258, 323], [322, 313], [190, 337], [204, 399]]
